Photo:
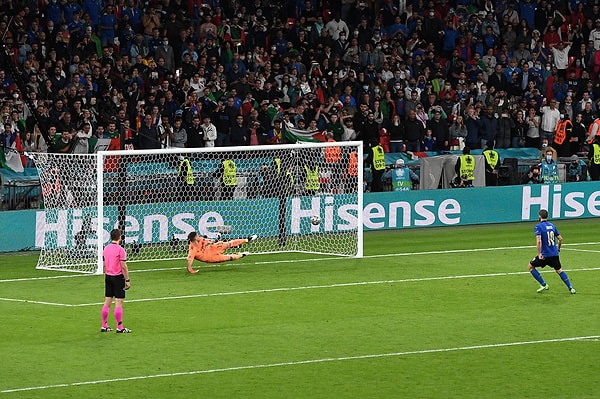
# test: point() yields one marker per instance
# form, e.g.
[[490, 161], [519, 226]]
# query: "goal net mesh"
[[158, 197]]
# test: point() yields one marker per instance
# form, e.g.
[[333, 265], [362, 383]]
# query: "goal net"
[[158, 197]]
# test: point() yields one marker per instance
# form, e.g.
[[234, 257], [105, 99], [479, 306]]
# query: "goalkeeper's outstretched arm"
[[190, 262]]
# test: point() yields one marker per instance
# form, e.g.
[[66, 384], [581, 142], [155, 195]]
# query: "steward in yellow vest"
[[311, 181], [594, 157], [492, 164], [228, 176], [376, 160], [465, 168]]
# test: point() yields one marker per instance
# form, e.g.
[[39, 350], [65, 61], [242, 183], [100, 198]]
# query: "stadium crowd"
[[432, 75]]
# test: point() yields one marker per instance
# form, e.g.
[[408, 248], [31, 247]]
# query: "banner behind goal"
[[158, 197]]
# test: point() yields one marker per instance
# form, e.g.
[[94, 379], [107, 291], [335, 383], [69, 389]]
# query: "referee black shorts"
[[114, 286], [552, 261]]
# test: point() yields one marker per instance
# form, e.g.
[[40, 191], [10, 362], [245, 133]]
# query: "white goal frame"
[[316, 233]]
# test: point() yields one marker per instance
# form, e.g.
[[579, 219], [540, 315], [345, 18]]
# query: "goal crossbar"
[[157, 197]]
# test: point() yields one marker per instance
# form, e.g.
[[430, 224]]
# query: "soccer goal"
[[157, 197]]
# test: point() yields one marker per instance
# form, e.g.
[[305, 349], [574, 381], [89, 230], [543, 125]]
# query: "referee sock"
[[119, 317], [538, 277], [565, 279], [105, 311]]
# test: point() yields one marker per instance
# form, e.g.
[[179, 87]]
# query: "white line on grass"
[[287, 289], [303, 362], [584, 250], [449, 251]]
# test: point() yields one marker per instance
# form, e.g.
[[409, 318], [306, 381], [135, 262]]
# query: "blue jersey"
[[548, 234]]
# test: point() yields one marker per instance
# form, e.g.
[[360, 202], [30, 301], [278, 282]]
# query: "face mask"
[[376, 91], [365, 87], [356, 33], [538, 66], [548, 158], [483, 91], [166, 42], [547, 68], [342, 38], [397, 87]]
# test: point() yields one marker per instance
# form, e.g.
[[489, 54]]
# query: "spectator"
[[577, 170], [148, 136], [240, 133]]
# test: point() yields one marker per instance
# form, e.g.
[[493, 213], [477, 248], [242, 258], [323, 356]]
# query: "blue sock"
[[565, 279], [536, 275]]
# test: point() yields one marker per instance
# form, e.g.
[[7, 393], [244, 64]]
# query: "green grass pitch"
[[427, 313]]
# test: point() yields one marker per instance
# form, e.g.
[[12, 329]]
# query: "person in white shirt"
[[335, 26], [560, 51], [550, 118], [595, 35], [210, 132]]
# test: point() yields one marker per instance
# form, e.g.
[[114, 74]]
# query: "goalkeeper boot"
[[252, 237], [105, 329], [543, 288], [124, 331], [244, 254]]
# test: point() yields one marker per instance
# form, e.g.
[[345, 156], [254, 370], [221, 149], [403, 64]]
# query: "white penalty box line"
[[299, 288], [287, 289], [304, 362]]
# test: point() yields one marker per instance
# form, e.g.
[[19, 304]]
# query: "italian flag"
[[294, 135], [10, 158]]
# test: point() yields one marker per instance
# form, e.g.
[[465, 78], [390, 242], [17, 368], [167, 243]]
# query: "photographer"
[[532, 177], [577, 170]]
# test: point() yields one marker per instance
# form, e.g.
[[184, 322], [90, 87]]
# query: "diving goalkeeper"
[[212, 251]]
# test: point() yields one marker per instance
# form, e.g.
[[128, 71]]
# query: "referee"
[[116, 281]]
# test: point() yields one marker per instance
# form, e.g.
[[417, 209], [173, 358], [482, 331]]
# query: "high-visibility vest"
[[561, 131], [288, 174], [229, 173], [278, 165], [467, 166], [596, 157], [353, 164], [378, 157], [491, 157], [333, 154], [590, 135], [312, 179], [189, 176]]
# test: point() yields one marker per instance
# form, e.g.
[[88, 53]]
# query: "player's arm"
[[559, 241], [538, 245], [125, 274], [190, 260]]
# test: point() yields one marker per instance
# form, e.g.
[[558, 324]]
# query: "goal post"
[[157, 197]]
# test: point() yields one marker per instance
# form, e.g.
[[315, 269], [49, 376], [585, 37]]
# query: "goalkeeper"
[[212, 251]]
